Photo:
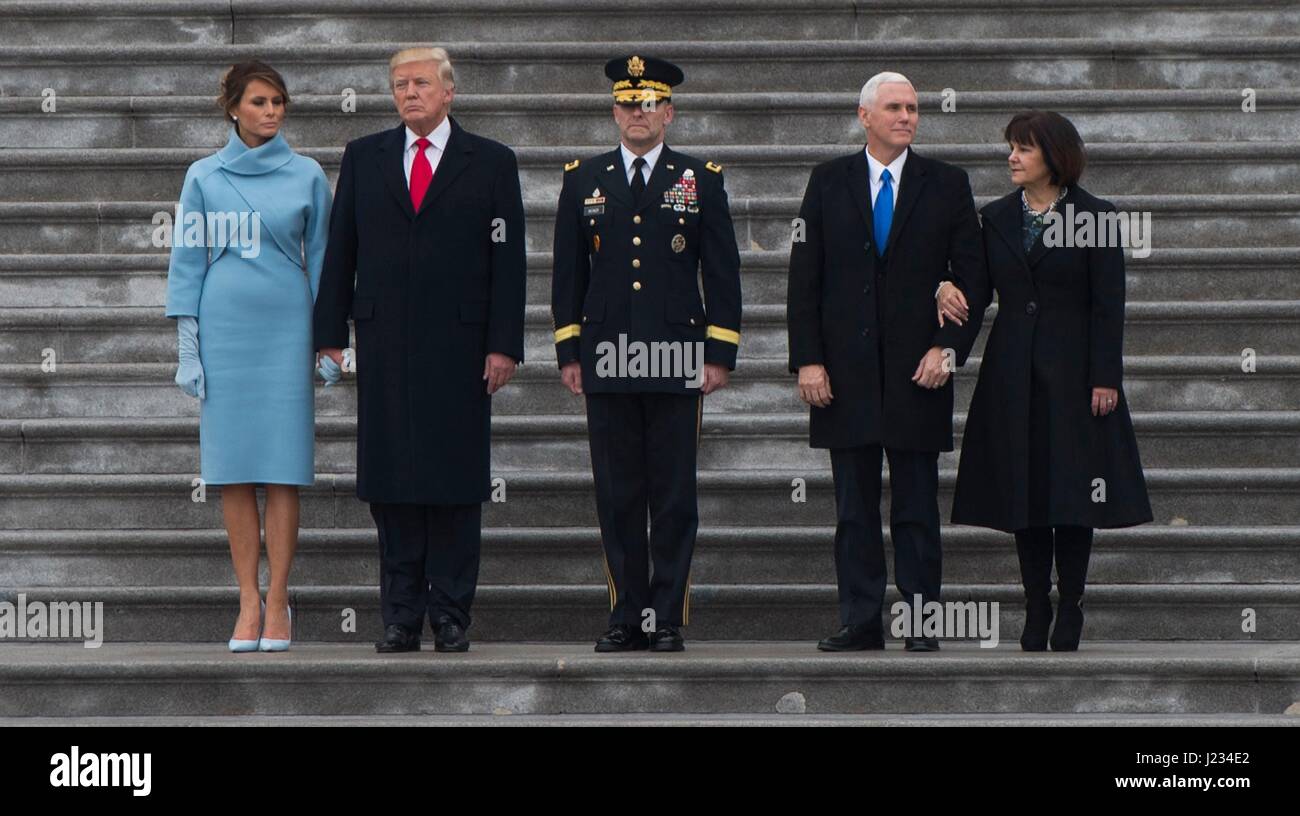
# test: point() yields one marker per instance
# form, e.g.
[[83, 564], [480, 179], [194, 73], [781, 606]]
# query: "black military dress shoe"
[[857, 638], [622, 638], [921, 644], [667, 639], [448, 636], [398, 638]]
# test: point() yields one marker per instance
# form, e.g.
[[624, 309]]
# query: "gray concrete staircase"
[[97, 456]]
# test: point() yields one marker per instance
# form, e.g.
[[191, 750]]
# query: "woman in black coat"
[[1048, 451]]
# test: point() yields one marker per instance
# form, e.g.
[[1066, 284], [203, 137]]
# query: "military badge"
[[682, 195], [679, 242]]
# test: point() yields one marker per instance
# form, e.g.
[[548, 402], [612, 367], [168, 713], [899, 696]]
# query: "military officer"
[[637, 227]]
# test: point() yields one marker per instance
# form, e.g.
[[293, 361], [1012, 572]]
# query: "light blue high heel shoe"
[[237, 645], [274, 644]]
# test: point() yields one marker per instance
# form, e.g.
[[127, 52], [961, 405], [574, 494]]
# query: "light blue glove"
[[189, 375], [329, 370]]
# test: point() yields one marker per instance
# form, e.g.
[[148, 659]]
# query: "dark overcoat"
[[851, 310], [1059, 333], [435, 292]]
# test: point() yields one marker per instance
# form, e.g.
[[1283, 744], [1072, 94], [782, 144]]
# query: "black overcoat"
[[844, 302], [1059, 332], [435, 292]]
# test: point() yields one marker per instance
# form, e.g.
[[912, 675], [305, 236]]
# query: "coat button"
[[584, 318], [592, 222], [636, 263], [636, 285], [692, 321], [636, 240], [636, 219], [681, 220], [867, 246], [866, 288], [1031, 307]]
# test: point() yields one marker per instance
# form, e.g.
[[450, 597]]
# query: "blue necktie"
[[883, 212]]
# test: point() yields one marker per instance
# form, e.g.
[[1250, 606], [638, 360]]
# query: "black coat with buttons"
[[1059, 333], [626, 273], [431, 294], [869, 320]]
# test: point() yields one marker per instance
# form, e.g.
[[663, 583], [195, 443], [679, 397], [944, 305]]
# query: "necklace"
[[1024, 200]]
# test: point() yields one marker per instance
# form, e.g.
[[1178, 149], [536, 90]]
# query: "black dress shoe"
[[856, 638], [921, 644], [667, 639], [398, 638], [448, 636], [622, 638]]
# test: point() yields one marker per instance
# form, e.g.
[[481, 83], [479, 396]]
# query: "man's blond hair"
[[423, 54]]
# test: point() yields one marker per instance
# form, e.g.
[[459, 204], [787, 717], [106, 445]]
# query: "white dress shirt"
[[650, 159], [437, 146], [875, 168]]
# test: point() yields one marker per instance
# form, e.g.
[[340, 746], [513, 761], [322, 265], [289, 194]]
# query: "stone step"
[[501, 719], [1132, 679], [142, 335], [783, 118], [1148, 554], [1176, 439], [789, 496], [119, 279], [1209, 222], [214, 22], [758, 612], [1173, 383], [1084, 63], [759, 172]]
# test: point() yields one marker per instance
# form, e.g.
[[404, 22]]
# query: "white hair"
[[868, 96], [438, 55]]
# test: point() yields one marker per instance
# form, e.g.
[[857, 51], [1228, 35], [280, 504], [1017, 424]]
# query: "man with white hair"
[[426, 254], [879, 232]]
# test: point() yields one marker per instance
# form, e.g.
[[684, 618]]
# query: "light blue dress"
[[246, 258]]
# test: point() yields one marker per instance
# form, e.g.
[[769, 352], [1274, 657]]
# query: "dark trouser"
[[428, 561], [1071, 546], [913, 525], [643, 460]]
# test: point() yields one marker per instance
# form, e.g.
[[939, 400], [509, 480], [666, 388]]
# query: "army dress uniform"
[[626, 272]]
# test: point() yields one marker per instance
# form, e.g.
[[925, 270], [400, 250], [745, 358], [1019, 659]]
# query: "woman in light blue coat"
[[247, 249]]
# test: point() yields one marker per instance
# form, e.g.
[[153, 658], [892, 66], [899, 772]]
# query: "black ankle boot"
[[1038, 620], [1069, 625]]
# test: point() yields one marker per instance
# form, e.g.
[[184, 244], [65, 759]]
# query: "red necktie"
[[421, 174]]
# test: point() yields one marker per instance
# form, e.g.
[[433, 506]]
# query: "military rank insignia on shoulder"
[[573, 165], [716, 168]]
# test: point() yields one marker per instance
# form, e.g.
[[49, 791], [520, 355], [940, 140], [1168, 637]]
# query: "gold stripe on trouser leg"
[[686, 599], [609, 579]]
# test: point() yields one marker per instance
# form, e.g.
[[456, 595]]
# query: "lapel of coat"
[[455, 158], [613, 178], [909, 191], [391, 168], [859, 180], [1005, 220]]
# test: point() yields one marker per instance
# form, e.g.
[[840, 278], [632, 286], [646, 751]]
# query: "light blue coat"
[[247, 249]]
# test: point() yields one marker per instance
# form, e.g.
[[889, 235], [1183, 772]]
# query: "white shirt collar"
[[438, 138], [650, 158], [895, 167]]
